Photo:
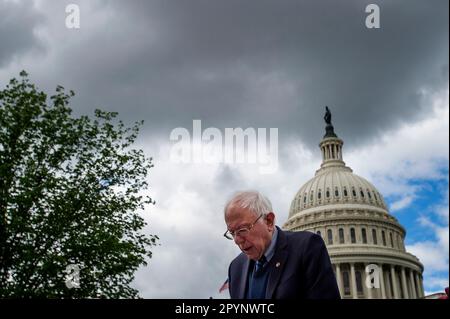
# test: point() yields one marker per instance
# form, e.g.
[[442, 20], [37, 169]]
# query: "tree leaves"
[[70, 193]]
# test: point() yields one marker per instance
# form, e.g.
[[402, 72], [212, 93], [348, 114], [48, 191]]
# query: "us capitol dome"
[[352, 217]]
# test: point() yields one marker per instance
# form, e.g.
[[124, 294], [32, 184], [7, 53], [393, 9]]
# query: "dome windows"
[[335, 193], [330, 237], [341, 236], [374, 236], [381, 199], [383, 237], [338, 187], [364, 235], [353, 235]]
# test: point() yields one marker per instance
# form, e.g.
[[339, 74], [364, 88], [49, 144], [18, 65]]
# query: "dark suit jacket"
[[300, 268]]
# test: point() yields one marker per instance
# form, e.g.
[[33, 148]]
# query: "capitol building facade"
[[352, 217]]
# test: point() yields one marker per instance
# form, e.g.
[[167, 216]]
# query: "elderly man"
[[274, 263]]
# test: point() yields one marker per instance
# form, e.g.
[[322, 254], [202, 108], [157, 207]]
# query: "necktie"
[[260, 265], [258, 280]]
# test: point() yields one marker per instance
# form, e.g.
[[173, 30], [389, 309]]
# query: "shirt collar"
[[270, 251]]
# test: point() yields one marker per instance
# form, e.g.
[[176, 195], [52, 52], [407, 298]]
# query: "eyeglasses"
[[242, 232]]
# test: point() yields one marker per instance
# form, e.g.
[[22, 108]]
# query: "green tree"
[[70, 194]]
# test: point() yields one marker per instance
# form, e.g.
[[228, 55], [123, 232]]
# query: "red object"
[[224, 286], [446, 294]]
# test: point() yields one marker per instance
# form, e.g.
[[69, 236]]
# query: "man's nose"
[[238, 240]]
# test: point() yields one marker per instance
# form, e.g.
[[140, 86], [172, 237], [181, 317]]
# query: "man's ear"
[[270, 219]]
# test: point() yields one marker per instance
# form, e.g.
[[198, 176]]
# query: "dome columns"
[[353, 281], [412, 285], [419, 285], [368, 290], [331, 150], [382, 283], [395, 281], [339, 279], [405, 289]]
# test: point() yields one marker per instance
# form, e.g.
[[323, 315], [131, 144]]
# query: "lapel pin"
[[277, 264]]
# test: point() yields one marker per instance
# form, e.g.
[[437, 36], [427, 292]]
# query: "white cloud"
[[442, 210], [430, 254], [193, 258], [437, 282], [441, 231], [436, 285], [434, 254], [402, 203], [415, 151]]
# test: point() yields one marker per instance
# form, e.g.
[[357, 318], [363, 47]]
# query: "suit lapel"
[[276, 264], [243, 281]]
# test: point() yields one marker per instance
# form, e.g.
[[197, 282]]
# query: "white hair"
[[252, 200]]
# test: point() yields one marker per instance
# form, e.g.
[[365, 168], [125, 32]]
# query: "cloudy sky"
[[254, 64]]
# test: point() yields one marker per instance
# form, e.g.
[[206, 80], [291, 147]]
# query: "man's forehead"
[[235, 211], [237, 215]]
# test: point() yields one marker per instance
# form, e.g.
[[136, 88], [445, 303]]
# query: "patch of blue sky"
[[429, 195], [430, 199]]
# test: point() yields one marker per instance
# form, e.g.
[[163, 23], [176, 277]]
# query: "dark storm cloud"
[[233, 63], [17, 21], [261, 64]]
